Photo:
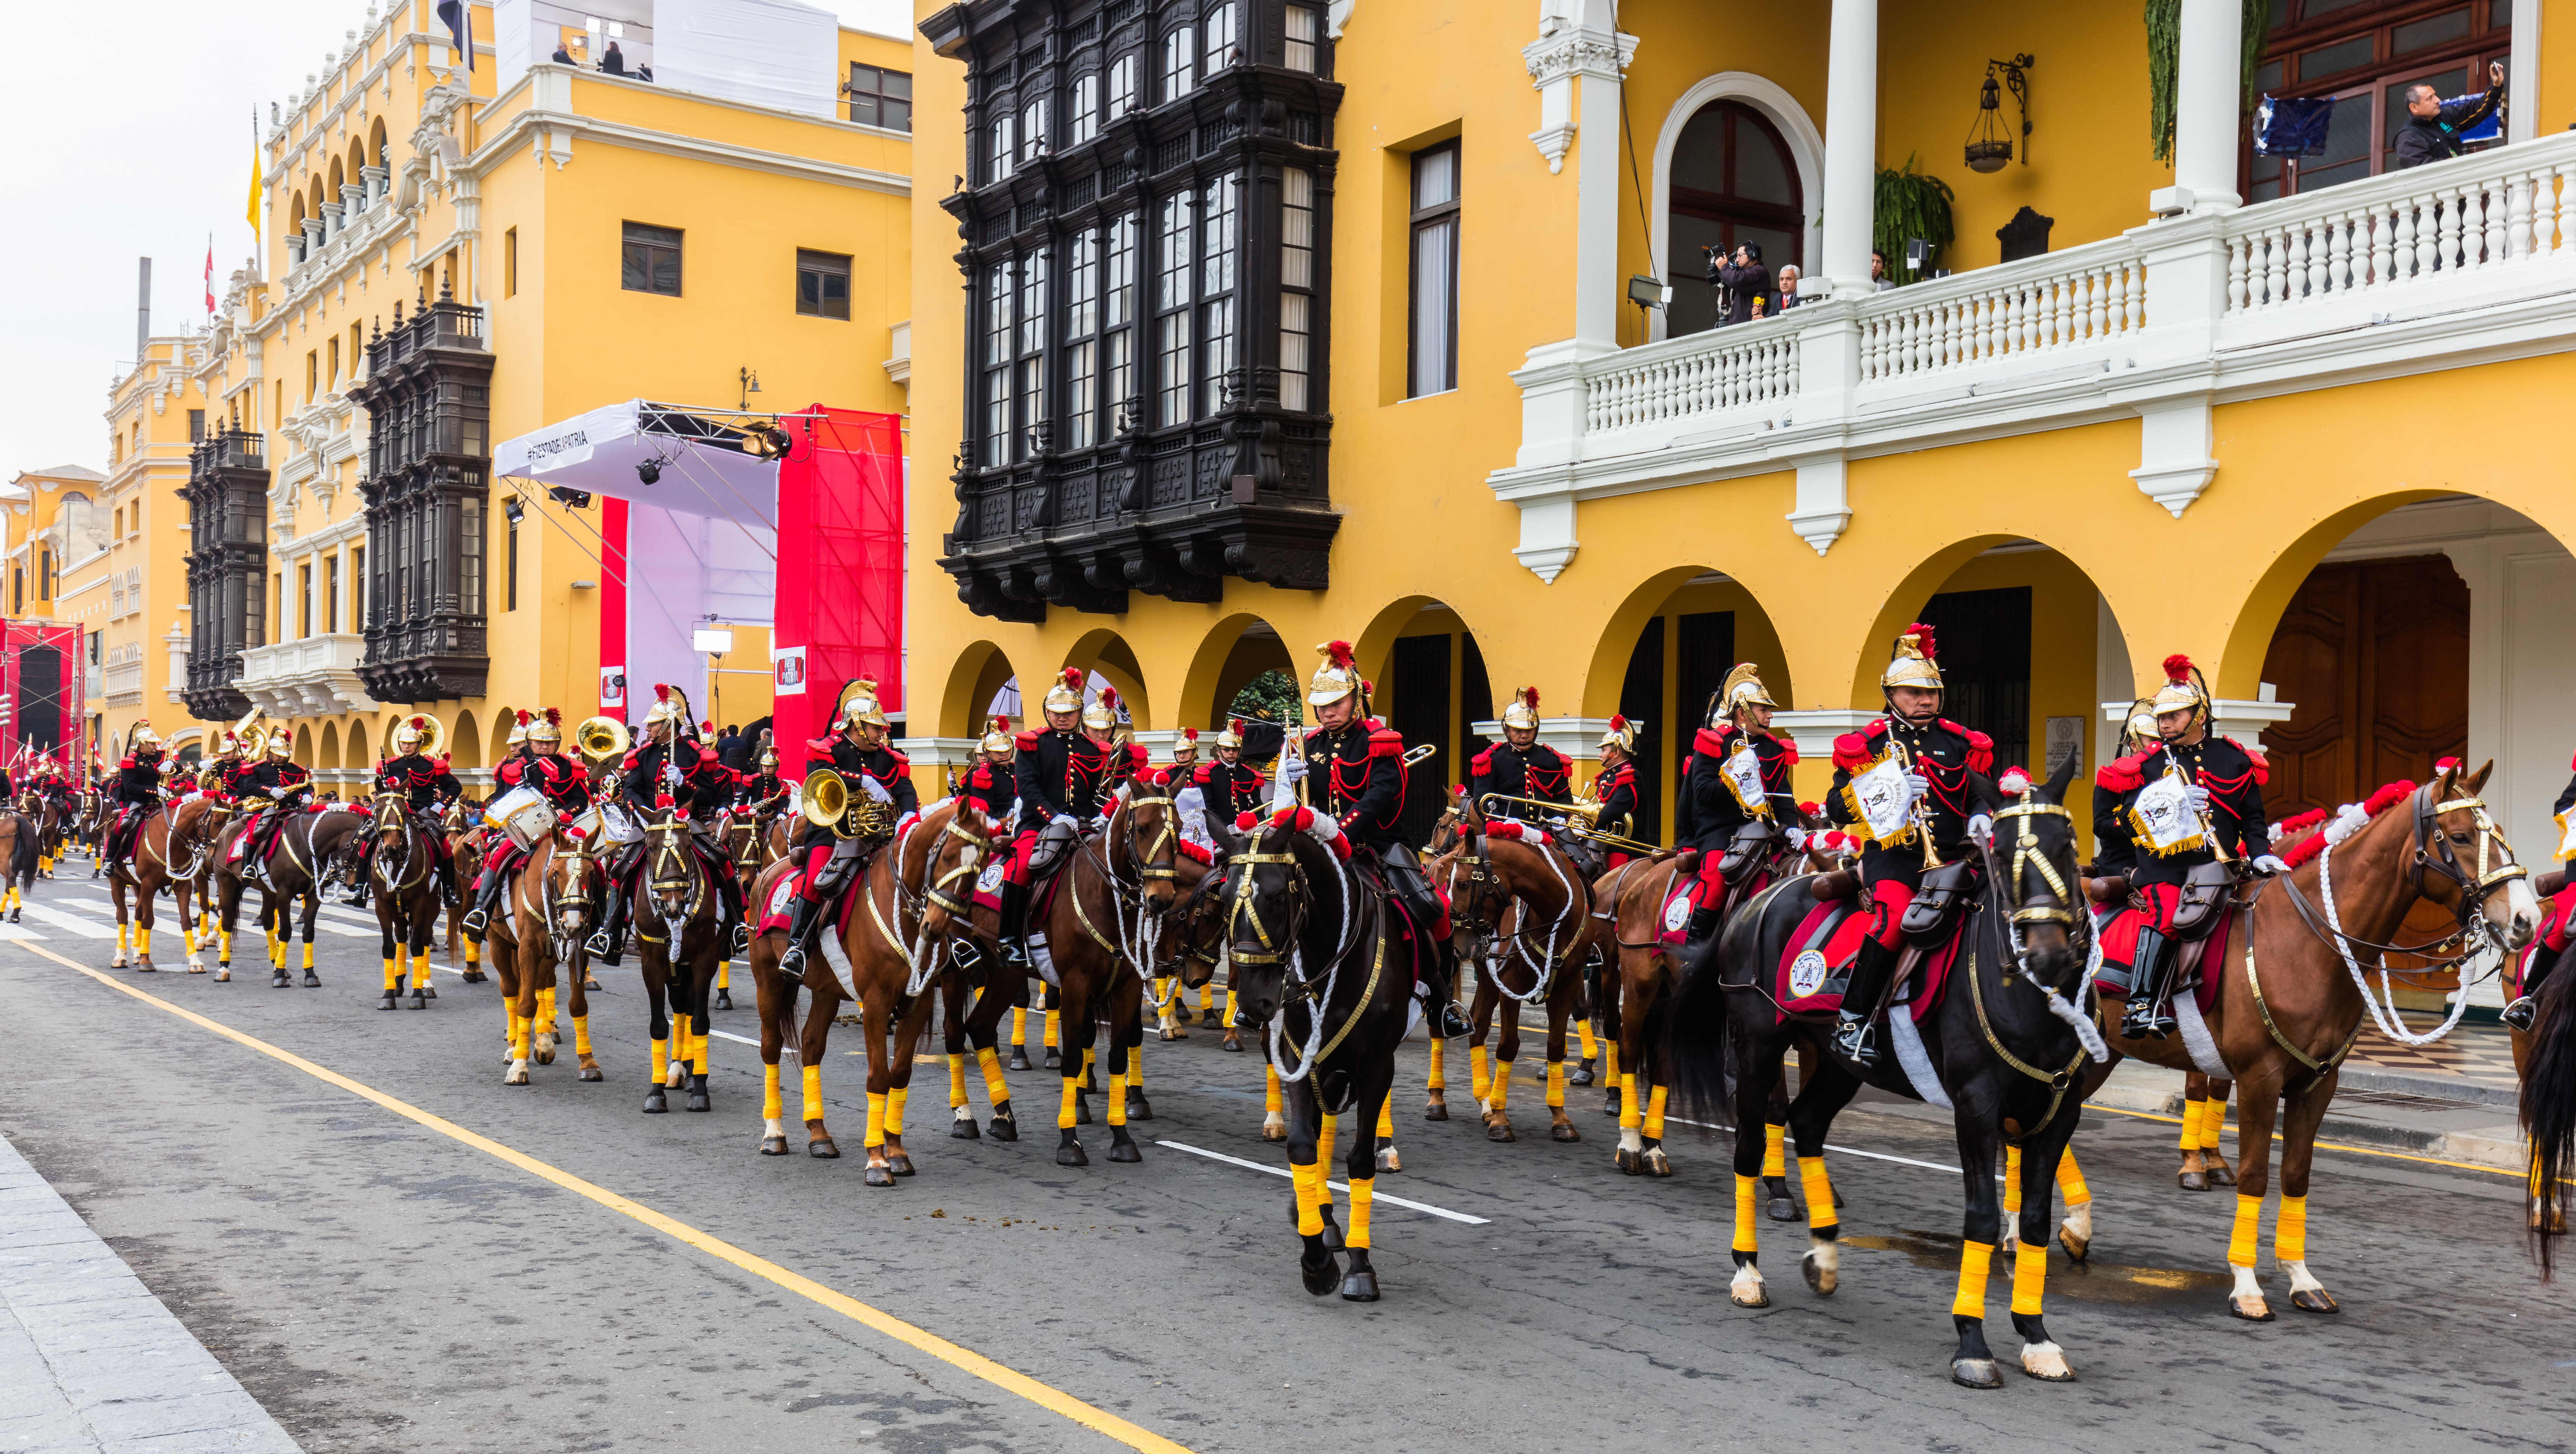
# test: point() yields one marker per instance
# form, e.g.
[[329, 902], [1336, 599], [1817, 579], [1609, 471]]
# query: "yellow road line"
[[2321, 1145], [972, 1362]]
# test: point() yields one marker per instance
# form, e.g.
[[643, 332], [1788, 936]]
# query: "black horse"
[[2002, 1046], [1324, 961]]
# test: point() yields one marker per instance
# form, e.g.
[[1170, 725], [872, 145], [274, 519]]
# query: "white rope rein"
[[1543, 970], [2383, 1016], [1346, 883]]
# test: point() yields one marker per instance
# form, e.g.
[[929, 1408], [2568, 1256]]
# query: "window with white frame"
[[1296, 284], [1218, 215], [1122, 85], [1303, 28], [1006, 149], [1434, 340], [1033, 131], [1032, 388], [1118, 317], [1179, 61], [1172, 313], [1081, 341], [997, 365], [1086, 109], [1220, 50]]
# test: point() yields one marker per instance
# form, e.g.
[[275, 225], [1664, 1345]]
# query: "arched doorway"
[[1733, 180]]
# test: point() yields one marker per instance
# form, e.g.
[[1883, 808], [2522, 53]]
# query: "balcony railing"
[[2467, 220], [1683, 378], [2035, 306], [312, 676]]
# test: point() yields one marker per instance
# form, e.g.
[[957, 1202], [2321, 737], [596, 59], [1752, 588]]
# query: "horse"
[[1121, 880], [1324, 959], [154, 863], [679, 891], [1520, 911], [465, 846], [19, 852], [2007, 1053], [544, 919], [748, 845], [307, 843], [911, 897], [47, 819], [403, 874]]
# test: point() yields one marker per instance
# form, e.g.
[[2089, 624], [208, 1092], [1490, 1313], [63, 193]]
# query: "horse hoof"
[[592, 1072], [419, 1001], [1749, 1294], [2047, 1363], [1782, 1209], [1321, 1270], [1274, 1132], [590, 981], [2219, 1175], [1975, 1373], [1582, 1073], [389, 1002], [1139, 1108], [1125, 1153], [1610, 1102], [2252, 1309], [1657, 1163], [1332, 1233], [899, 1164], [280, 981], [1498, 1129], [427, 991], [1436, 1111], [223, 976], [656, 1103], [964, 1129], [1388, 1160], [1003, 1128], [1360, 1286], [476, 976], [1070, 1154], [312, 981], [145, 967], [698, 1101], [1232, 1041], [773, 1145], [1821, 1280], [1019, 1060], [2314, 1300], [821, 1148], [2077, 1248], [878, 1175], [1208, 1019], [517, 1074], [1631, 1162], [2192, 1180], [724, 999], [1563, 1131], [1054, 1059], [545, 1056], [1166, 1035]]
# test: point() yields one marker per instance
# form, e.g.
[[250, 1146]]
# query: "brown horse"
[[465, 845], [1102, 933], [1519, 911], [170, 843], [545, 917], [403, 883], [2291, 990], [308, 847], [749, 845], [18, 858], [913, 895], [679, 896]]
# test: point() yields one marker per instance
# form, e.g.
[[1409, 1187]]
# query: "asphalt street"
[[378, 1284]]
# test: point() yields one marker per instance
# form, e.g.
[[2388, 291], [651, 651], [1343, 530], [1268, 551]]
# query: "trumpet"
[[1416, 756], [1581, 818], [1922, 815]]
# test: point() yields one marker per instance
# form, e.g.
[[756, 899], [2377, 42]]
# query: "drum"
[[608, 824], [523, 813]]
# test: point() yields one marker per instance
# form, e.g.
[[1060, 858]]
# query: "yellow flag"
[[253, 209]]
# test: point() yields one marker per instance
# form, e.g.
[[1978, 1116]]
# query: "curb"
[[2499, 1147]]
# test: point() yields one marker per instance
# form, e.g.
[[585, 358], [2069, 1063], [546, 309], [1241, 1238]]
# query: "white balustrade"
[[1746, 366], [2086, 295], [2477, 215]]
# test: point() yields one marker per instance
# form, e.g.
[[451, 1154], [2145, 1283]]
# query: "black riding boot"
[[731, 890], [2526, 1006], [487, 890], [447, 882], [1015, 926], [800, 932], [1440, 995], [2148, 1017], [1870, 970], [1703, 928], [608, 944]]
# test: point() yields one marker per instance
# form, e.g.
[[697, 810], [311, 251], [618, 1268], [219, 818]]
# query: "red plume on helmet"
[[1530, 695], [1239, 725], [1922, 635], [1001, 724], [1189, 734], [1618, 723], [526, 716], [554, 716], [2178, 669], [1073, 677], [661, 691], [420, 724], [1338, 653], [1109, 699]]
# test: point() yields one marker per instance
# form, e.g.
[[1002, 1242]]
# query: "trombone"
[[1581, 819], [1921, 814]]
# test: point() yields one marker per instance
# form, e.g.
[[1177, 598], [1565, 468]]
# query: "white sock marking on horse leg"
[[2246, 1287], [1747, 1286], [1631, 1139], [2302, 1280], [2079, 1221]]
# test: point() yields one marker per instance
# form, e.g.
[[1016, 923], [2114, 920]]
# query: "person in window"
[[2433, 125], [614, 62], [1790, 297], [1745, 281], [1878, 278], [562, 57]]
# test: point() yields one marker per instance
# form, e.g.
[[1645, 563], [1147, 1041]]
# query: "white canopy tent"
[[774, 53]]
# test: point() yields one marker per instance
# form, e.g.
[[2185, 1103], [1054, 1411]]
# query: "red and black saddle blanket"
[[1816, 964], [774, 914], [2202, 957]]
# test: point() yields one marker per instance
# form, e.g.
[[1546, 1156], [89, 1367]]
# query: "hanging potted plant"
[[1910, 205]]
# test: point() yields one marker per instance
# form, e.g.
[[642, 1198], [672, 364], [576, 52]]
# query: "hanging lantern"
[[1989, 144]]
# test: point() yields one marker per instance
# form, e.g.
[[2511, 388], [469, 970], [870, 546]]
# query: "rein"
[[1543, 965], [2005, 889], [921, 956]]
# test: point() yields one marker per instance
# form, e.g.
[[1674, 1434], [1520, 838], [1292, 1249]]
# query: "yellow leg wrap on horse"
[[2070, 1180], [2240, 1240], [2189, 1140], [876, 1121], [390, 972], [420, 967], [188, 935], [1020, 1027], [1309, 1182], [2212, 1121], [1556, 1085], [124, 937], [1610, 1065], [1774, 1161], [1654, 1127], [2030, 1278], [519, 1034], [1744, 1237], [724, 975], [1479, 1079], [1064, 1112], [1499, 1089], [770, 1110], [2012, 1181], [894, 1110], [308, 950], [1976, 1259], [956, 1080], [1386, 1120], [662, 1061], [1050, 1028], [546, 1016], [581, 1035], [1270, 1103], [1136, 1067], [1438, 1076], [1631, 1116], [1326, 1134], [1229, 1005], [996, 1089], [473, 952], [698, 1049], [1583, 1032], [813, 1084], [225, 936], [1820, 1194], [1363, 1194], [142, 939], [1118, 1098], [2290, 1233]]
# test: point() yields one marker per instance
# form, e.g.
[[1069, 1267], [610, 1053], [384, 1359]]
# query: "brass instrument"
[[824, 800], [1581, 819], [432, 738], [242, 728], [601, 739], [1416, 756], [1922, 815]]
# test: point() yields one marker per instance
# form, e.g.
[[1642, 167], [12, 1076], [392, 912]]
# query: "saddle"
[[1815, 965], [1929, 918]]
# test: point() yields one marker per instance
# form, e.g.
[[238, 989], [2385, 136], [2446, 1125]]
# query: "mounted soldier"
[[234, 759], [2549, 946], [1519, 766], [1353, 768], [2182, 885], [1615, 787], [990, 779], [1737, 786], [670, 767], [556, 776], [281, 787], [1231, 785], [135, 792], [876, 793], [761, 792], [427, 785], [1064, 781], [1949, 799]]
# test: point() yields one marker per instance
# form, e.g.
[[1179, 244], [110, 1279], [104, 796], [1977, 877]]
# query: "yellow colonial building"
[[458, 256], [1392, 320]]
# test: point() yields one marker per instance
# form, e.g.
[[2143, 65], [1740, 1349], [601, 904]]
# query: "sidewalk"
[[89, 1359]]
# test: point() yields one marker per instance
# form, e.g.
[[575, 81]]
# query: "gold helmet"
[[2182, 691], [768, 751], [1622, 733], [226, 744], [1913, 665], [2139, 730], [1232, 736], [407, 734], [1102, 714], [997, 742], [1522, 714], [142, 737], [1064, 694], [519, 728], [1185, 748], [859, 705], [1743, 688], [544, 733], [670, 705], [1336, 678], [281, 743]]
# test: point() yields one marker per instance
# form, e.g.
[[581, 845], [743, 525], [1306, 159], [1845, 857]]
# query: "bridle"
[[2051, 903], [2475, 888], [668, 846], [1286, 949], [393, 814]]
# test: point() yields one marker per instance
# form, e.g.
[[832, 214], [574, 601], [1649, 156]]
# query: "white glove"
[[1069, 821], [2199, 798], [2271, 864], [1917, 785], [1292, 767], [1981, 831], [1797, 837]]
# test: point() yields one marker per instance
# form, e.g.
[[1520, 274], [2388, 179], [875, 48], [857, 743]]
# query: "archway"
[[356, 755], [330, 760], [465, 748], [304, 745], [1431, 685], [1662, 657], [975, 678], [504, 721], [1724, 103], [1106, 652], [1232, 653]]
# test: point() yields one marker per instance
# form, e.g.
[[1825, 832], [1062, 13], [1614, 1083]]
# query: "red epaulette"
[[1025, 741], [1137, 757], [1311, 731], [1851, 752], [2124, 774], [2262, 764], [1385, 743], [1981, 748], [1712, 740], [1788, 752], [1484, 763], [1205, 774], [127, 763], [632, 755], [901, 762], [1373, 723]]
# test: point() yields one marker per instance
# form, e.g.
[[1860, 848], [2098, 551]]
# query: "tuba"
[[824, 800], [601, 739], [432, 738]]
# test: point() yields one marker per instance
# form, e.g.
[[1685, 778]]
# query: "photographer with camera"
[[1743, 282]]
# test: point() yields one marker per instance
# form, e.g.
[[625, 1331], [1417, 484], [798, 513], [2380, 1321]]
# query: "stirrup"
[[741, 940], [475, 921], [598, 945], [2521, 1013], [2145, 1020], [1453, 1021], [791, 961], [1852, 1039]]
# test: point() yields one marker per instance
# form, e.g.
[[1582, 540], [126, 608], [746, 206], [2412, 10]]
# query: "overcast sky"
[[136, 142]]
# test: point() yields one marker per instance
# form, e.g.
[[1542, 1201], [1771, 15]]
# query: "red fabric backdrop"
[[840, 565]]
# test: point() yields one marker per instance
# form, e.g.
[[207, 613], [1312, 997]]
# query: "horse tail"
[[1696, 1049], [2549, 1114]]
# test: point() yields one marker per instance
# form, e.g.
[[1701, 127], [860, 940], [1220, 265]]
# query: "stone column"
[[1851, 145], [2208, 92]]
